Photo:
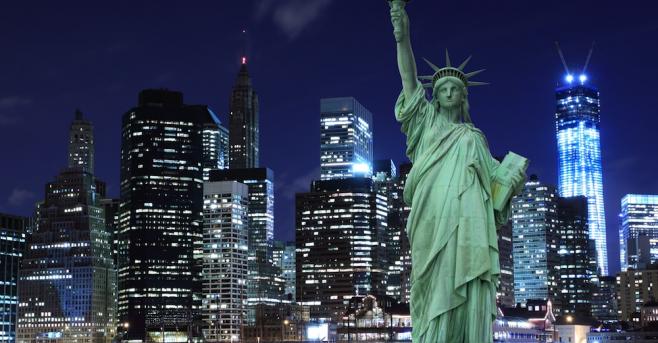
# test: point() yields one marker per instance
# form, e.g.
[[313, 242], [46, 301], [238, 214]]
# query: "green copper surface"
[[451, 190]]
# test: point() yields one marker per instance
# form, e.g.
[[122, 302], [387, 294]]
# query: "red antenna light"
[[244, 60]]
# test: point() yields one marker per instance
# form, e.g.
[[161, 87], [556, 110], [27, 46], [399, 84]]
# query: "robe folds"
[[451, 227]]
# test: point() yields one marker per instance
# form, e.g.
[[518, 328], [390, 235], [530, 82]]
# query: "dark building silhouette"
[[505, 295], [577, 266], [160, 217], [12, 247], [243, 122], [67, 277], [340, 231]]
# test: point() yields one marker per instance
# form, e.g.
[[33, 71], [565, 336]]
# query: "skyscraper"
[[215, 144], [67, 276], [638, 234], [265, 283], [225, 249], [340, 231], [398, 255], [505, 293], [535, 243], [577, 267], [12, 247], [160, 217], [577, 121], [243, 122], [284, 258], [345, 139], [81, 144]]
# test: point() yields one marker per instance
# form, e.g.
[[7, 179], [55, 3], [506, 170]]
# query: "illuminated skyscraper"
[[579, 155], [535, 243], [265, 285], [505, 292], [345, 139], [67, 278], [225, 228], [12, 247], [243, 122], [638, 234], [160, 217], [284, 258], [340, 235]]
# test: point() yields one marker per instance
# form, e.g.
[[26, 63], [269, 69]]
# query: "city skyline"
[[100, 71]]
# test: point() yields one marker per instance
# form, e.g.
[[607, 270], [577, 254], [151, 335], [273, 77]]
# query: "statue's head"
[[449, 86]]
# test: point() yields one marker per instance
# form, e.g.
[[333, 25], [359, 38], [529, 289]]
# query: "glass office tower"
[[638, 234], [345, 139], [12, 246], [577, 122], [535, 243]]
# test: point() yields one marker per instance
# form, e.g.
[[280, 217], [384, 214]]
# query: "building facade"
[[635, 288], [638, 234], [505, 292], [243, 122], [604, 300], [225, 250], [12, 247], [81, 144], [535, 243], [345, 139], [577, 257], [340, 235], [577, 121], [160, 218]]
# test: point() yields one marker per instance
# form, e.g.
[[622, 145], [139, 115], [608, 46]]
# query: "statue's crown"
[[450, 71]]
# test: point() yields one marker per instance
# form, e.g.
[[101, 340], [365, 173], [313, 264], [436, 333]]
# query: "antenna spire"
[[589, 56], [564, 63]]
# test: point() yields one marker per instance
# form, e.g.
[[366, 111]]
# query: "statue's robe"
[[451, 227]]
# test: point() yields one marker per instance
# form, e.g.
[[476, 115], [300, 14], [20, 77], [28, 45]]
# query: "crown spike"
[[461, 66], [447, 59], [476, 83], [431, 64], [473, 73]]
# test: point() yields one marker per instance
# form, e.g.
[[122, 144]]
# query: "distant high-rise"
[[81, 144], [284, 258], [345, 139], [225, 253], [67, 278], [505, 293], [12, 246], [215, 144], [604, 299], [398, 255], [638, 235], [340, 231], [243, 122], [535, 243], [577, 267], [265, 283], [579, 155], [160, 217]]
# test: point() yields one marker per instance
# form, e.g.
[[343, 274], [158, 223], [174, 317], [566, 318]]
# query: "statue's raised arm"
[[406, 62]]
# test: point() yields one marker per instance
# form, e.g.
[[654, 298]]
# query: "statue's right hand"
[[400, 21]]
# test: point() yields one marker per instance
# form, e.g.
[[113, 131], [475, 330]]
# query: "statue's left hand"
[[518, 180]]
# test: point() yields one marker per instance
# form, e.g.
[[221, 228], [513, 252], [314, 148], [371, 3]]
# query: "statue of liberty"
[[459, 195]]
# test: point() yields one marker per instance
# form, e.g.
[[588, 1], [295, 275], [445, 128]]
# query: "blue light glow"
[[583, 78], [569, 78]]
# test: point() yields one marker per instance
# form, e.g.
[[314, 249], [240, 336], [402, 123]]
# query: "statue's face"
[[450, 94]]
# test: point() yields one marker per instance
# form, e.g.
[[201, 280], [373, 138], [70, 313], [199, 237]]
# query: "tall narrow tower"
[[577, 123], [81, 144], [243, 122]]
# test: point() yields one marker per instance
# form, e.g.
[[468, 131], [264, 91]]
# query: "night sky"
[[97, 56]]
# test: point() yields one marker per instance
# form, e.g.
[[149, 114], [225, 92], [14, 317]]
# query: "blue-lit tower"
[[577, 122]]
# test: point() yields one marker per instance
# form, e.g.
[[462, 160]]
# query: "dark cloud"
[[19, 197]]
